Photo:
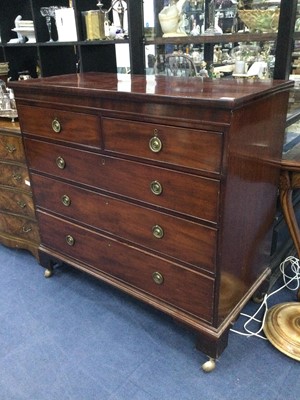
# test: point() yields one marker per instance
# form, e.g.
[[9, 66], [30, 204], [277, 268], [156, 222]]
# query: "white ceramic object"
[[26, 32], [168, 19]]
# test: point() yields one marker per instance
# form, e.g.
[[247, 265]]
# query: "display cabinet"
[[61, 57], [144, 30], [281, 42]]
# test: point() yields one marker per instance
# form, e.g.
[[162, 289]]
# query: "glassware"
[[49, 12], [6, 102], [211, 30]]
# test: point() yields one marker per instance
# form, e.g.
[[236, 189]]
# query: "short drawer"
[[20, 227], [11, 148], [14, 175], [181, 192], [16, 201], [169, 282], [189, 148], [61, 125], [183, 240]]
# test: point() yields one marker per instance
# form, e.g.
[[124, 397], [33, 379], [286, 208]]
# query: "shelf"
[[73, 43], [23, 45], [103, 42], [225, 38]]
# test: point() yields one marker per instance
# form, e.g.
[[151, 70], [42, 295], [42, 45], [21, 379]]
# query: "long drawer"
[[20, 227], [14, 175], [17, 202], [183, 240], [11, 148], [185, 193], [184, 289], [191, 148], [60, 125]]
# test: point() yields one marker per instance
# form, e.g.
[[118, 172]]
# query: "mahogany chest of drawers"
[[18, 227], [163, 187]]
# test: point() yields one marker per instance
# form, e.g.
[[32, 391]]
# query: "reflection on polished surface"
[[208, 89], [232, 290]]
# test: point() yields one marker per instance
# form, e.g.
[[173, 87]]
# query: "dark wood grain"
[[129, 179], [195, 243]]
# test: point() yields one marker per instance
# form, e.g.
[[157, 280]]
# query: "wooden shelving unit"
[[82, 56]]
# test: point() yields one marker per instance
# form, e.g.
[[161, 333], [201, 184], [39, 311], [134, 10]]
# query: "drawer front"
[[11, 148], [14, 175], [16, 202], [184, 193], [191, 148], [186, 290], [175, 237], [20, 227], [61, 125]]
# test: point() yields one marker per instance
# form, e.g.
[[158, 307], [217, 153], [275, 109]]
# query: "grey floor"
[[72, 337]]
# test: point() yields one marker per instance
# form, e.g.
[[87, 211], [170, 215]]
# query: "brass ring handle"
[[60, 162], [21, 204], [66, 200], [26, 230], [157, 232], [158, 278], [56, 125], [156, 188], [155, 144], [70, 240]]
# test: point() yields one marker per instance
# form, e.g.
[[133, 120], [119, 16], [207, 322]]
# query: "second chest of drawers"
[[18, 227]]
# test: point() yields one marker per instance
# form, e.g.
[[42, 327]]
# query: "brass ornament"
[[157, 231], [282, 328], [10, 148], [158, 278], [156, 188], [66, 201], [60, 162], [70, 240], [155, 144]]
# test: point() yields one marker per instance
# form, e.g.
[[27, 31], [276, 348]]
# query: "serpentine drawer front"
[[23, 228], [18, 226], [17, 202], [11, 148], [168, 195], [14, 175]]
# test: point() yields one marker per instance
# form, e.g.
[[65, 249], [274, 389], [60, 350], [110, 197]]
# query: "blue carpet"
[[72, 337]]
